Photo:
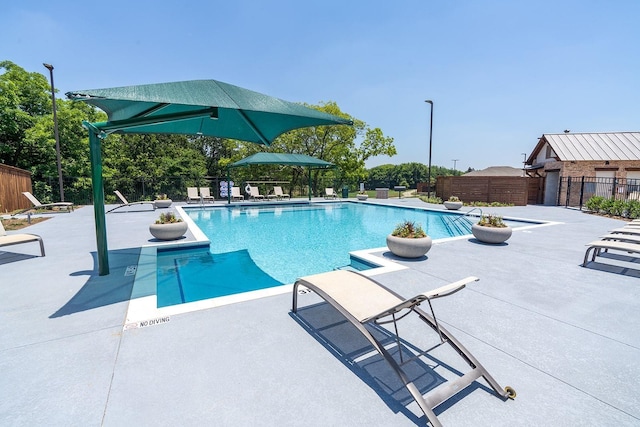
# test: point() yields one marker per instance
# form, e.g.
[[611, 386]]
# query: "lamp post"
[[55, 131], [430, 102], [454, 165]]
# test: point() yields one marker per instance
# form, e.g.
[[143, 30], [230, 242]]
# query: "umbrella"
[[199, 107]]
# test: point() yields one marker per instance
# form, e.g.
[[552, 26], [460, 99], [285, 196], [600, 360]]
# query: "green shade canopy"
[[282, 159], [201, 107]]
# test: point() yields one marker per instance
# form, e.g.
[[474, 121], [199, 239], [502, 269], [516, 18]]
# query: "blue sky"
[[500, 72]]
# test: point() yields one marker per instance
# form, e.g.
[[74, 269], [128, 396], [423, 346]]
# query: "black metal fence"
[[79, 191], [576, 191]]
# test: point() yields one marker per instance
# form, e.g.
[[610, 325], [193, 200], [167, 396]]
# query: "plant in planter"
[[362, 195], [453, 203], [168, 227], [408, 240], [491, 229], [162, 201]]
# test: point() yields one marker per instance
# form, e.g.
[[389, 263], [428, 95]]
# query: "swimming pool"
[[262, 246]]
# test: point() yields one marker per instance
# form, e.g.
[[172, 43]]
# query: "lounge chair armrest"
[[409, 303], [449, 289]]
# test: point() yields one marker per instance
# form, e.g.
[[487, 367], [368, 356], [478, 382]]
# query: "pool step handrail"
[[468, 214]]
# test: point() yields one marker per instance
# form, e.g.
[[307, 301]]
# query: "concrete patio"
[[565, 337]]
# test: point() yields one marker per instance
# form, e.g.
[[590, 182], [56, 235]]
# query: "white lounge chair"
[[596, 247], [15, 239], [367, 304], [254, 193], [192, 195], [126, 203], [626, 230], [205, 193], [330, 194], [68, 206], [633, 238], [277, 191], [272, 196], [235, 194]]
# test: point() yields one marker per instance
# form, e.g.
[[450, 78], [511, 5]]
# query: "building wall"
[[589, 168]]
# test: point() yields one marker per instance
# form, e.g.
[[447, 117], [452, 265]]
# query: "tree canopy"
[[152, 161]]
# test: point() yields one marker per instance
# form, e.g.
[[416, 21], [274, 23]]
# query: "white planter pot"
[[454, 206], [164, 203], [491, 234], [170, 231], [408, 247], [362, 196]]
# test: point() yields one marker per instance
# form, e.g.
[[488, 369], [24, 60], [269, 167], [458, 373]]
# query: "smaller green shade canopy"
[[282, 159], [201, 107]]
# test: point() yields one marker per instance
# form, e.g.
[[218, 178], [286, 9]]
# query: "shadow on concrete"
[[9, 257], [344, 341], [100, 291]]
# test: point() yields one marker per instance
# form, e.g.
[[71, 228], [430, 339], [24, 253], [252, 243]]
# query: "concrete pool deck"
[[565, 337]]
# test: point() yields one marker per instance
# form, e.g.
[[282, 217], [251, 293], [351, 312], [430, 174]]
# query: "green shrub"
[[633, 209], [432, 199], [594, 203], [491, 220], [408, 229]]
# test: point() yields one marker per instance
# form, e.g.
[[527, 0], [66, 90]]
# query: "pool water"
[[257, 247]]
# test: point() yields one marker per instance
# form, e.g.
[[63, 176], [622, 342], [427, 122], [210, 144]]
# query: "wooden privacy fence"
[[515, 190], [13, 182]]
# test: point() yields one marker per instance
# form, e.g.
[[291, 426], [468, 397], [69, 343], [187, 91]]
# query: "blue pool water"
[[257, 247]]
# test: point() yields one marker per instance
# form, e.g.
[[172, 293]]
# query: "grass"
[[18, 223]]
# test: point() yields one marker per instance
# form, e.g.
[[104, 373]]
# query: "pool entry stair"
[[458, 226]]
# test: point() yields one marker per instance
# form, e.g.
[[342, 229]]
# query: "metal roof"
[[594, 146]]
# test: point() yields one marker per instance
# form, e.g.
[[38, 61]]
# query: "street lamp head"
[[429, 101], [48, 66]]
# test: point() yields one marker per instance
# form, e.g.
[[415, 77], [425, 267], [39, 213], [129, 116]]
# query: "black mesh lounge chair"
[[365, 302], [126, 203]]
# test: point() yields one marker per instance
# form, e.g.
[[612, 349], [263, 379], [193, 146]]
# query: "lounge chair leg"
[[41, 246]]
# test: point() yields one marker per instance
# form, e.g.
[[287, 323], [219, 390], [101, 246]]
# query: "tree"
[[337, 145], [150, 160], [24, 100]]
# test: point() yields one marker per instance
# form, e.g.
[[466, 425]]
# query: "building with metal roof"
[[586, 147], [602, 155]]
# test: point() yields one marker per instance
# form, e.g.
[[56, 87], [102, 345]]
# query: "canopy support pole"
[[228, 187], [309, 184], [98, 198]]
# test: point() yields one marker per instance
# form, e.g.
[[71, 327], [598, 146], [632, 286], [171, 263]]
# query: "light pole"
[[430, 102], [55, 131], [454, 165]]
